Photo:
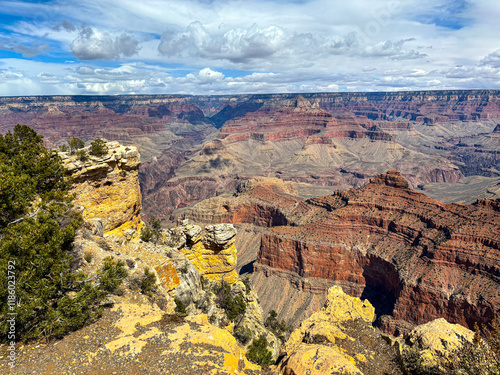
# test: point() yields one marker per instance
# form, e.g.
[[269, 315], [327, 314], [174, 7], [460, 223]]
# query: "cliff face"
[[414, 258], [107, 187], [137, 323]]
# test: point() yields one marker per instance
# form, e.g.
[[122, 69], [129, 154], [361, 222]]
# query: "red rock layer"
[[415, 258], [297, 119]]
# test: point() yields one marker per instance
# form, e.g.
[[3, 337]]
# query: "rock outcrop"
[[107, 187], [338, 339], [134, 336], [414, 258], [439, 339]]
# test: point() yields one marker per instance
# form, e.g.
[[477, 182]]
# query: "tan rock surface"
[[439, 338], [338, 339]]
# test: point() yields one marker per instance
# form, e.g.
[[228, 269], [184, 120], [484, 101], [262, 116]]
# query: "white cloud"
[[228, 46], [92, 44]]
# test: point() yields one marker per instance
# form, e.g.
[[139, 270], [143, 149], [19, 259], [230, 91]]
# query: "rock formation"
[[147, 327], [414, 258], [439, 339], [338, 339], [107, 187]]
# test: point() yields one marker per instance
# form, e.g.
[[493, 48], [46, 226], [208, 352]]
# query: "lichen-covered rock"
[[338, 339], [439, 339], [327, 323], [167, 275], [211, 251], [319, 360], [107, 187]]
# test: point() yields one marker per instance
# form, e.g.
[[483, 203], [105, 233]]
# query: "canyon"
[[280, 168], [196, 147]]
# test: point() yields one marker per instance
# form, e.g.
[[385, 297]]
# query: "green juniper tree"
[[37, 229]]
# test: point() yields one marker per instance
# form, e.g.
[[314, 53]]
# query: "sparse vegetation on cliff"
[[259, 353], [234, 307], [75, 144], [37, 229], [152, 231], [148, 282], [98, 148], [278, 327]]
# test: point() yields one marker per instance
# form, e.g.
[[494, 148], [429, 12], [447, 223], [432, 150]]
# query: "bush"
[[75, 144], [243, 334], [279, 328], [152, 232], [259, 353], [112, 274], [88, 256], [146, 234], [180, 308], [148, 282], [98, 148], [81, 155], [234, 307]]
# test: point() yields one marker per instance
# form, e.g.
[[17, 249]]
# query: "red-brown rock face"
[[414, 258]]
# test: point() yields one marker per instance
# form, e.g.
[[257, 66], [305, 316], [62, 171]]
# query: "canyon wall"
[[414, 258]]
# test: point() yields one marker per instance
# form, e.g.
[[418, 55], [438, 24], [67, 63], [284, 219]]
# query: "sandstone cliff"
[[148, 329], [107, 187]]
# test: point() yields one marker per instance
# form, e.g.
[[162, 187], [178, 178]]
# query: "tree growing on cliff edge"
[[37, 229], [75, 144], [98, 148]]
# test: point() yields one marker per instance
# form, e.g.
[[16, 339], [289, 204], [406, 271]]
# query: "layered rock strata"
[[415, 258]]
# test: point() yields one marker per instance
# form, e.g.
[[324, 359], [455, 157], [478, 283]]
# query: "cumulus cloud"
[[235, 45], [92, 44], [24, 49], [393, 50], [273, 44], [493, 59]]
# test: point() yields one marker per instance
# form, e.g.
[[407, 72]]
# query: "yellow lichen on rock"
[[319, 360], [207, 261], [167, 275], [200, 338], [339, 307], [439, 338], [132, 316], [107, 187], [212, 251]]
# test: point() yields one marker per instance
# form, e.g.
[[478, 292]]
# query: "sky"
[[213, 47]]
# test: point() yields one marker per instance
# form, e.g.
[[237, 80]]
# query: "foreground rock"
[[338, 339], [438, 340], [135, 336]]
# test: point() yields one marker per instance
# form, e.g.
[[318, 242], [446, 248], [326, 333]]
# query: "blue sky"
[[235, 46]]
